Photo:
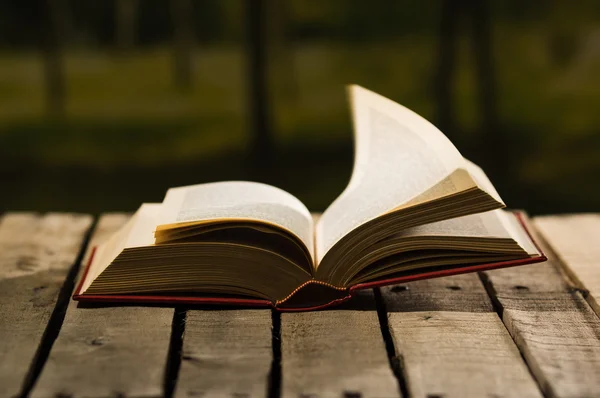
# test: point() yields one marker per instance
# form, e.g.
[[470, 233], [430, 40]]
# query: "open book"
[[414, 208]]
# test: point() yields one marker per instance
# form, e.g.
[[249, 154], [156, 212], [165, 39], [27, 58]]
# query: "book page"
[[499, 224], [398, 156], [490, 224], [520, 234], [238, 200]]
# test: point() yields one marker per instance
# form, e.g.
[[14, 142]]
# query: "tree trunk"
[[493, 142], [52, 27], [183, 43], [256, 80], [282, 49], [126, 18], [446, 64]]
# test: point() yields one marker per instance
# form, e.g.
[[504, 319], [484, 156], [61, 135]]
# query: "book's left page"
[[191, 209]]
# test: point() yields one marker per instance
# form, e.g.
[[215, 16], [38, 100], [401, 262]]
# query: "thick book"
[[414, 208]]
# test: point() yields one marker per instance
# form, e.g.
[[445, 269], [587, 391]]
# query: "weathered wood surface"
[[445, 334], [335, 353], [36, 254], [554, 327], [226, 353], [575, 240], [108, 352], [451, 343]]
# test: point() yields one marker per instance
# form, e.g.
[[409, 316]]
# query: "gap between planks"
[[108, 351], [175, 352], [395, 359], [228, 353], [575, 242], [39, 256], [555, 329], [449, 341], [339, 352]]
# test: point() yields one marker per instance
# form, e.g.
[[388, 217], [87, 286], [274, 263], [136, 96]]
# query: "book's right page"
[[500, 224], [400, 159], [481, 238]]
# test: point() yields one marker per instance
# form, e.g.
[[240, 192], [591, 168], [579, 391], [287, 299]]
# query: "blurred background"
[[105, 104]]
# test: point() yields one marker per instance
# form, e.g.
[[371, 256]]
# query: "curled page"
[[398, 156]]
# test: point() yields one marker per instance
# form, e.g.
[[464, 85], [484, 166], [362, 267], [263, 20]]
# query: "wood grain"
[[108, 351], [575, 241], [226, 353], [36, 254], [554, 327], [336, 353], [451, 343]]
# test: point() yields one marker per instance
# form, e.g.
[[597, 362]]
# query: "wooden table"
[[522, 332]]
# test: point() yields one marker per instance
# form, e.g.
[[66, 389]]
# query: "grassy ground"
[[128, 134]]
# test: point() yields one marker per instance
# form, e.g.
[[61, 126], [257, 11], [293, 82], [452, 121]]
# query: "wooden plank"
[[335, 353], [574, 240], [226, 353], [108, 351], [36, 254], [555, 329], [451, 343]]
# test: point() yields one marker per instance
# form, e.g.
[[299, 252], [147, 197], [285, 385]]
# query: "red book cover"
[[313, 295]]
